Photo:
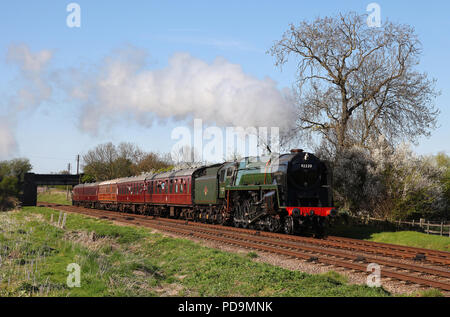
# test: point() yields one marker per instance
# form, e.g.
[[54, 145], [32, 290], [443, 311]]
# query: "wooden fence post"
[[59, 218], [442, 228], [428, 227], [64, 221]]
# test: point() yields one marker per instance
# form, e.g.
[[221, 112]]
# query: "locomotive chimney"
[[296, 151]]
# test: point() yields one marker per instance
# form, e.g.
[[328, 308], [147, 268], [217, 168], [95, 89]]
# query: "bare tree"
[[99, 162], [152, 162], [356, 82]]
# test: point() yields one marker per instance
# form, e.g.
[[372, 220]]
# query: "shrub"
[[392, 183], [11, 180]]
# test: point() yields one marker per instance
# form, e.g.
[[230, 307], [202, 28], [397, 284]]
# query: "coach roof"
[[172, 174], [132, 179]]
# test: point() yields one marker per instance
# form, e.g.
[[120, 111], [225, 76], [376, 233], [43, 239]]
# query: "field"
[[54, 195], [408, 238], [129, 261]]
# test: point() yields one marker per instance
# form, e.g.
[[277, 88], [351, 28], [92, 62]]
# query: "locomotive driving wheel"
[[237, 216], [288, 226], [273, 224], [245, 211]]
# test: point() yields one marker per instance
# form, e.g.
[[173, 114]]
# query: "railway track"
[[412, 265]]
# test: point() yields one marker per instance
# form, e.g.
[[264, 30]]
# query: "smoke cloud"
[[34, 80], [218, 92], [7, 141], [32, 88]]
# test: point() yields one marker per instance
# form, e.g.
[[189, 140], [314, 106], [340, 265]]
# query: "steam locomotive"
[[288, 193]]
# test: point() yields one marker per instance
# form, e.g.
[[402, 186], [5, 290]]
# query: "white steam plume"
[[188, 87], [7, 141], [35, 83], [33, 87]]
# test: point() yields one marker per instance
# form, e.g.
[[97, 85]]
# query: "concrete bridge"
[[32, 181]]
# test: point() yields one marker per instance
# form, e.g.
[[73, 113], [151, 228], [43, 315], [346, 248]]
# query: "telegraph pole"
[[67, 186]]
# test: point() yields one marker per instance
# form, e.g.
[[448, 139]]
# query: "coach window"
[[176, 186]]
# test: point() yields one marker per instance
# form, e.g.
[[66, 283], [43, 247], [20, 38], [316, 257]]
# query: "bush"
[[391, 183], [11, 180]]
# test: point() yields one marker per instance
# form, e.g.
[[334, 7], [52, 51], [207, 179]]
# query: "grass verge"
[[55, 196], [120, 260], [407, 238]]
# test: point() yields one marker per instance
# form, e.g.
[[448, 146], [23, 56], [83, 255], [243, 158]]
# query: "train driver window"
[[229, 171], [222, 176]]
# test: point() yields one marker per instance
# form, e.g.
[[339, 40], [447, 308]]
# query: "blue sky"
[[239, 31]]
